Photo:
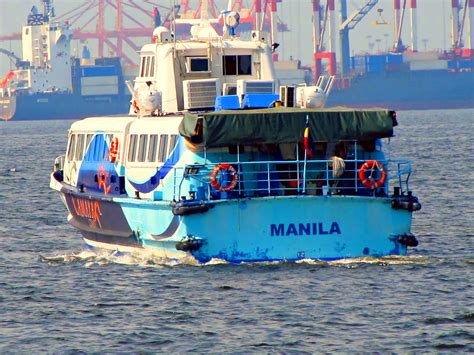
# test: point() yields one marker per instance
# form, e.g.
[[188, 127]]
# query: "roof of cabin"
[[103, 123], [199, 44], [286, 125]]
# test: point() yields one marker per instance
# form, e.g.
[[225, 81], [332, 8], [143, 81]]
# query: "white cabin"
[[189, 75]]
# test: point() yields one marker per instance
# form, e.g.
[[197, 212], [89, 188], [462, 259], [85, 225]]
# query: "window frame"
[[142, 149], [71, 152], [239, 58], [152, 66], [147, 66], [142, 66], [152, 155], [236, 71], [189, 65], [163, 148], [79, 155], [132, 139], [173, 140]]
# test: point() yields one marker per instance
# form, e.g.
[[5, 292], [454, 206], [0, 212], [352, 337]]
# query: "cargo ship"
[[418, 80], [404, 77], [50, 84]]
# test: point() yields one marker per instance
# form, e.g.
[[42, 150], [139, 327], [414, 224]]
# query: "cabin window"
[[237, 64], [80, 147], [72, 147], [142, 147], [162, 153], [87, 148], [230, 64], [152, 148], [197, 64], [147, 66], [152, 66], [88, 140], [173, 140], [132, 147], [142, 67], [244, 65]]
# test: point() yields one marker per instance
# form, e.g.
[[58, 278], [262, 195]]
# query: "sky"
[[434, 18]]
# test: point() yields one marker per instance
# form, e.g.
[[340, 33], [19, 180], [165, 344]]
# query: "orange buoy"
[[229, 169], [113, 151], [370, 182]]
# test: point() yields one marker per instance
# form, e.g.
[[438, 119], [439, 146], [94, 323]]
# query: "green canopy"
[[285, 125]]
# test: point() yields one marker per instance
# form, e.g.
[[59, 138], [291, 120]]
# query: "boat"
[[50, 84], [407, 81], [211, 163]]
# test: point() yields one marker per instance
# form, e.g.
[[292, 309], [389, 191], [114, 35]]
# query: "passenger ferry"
[[211, 163]]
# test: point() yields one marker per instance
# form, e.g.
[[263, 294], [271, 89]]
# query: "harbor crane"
[[87, 18], [13, 57]]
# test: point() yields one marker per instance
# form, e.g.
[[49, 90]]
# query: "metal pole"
[[470, 31], [455, 23], [344, 40], [258, 13], [316, 37], [273, 9], [414, 27]]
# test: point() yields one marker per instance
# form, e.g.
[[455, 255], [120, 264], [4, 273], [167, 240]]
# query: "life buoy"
[[229, 169], [369, 181], [113, 151]]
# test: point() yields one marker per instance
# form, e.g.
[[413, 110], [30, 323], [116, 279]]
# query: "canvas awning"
[[285, 125]]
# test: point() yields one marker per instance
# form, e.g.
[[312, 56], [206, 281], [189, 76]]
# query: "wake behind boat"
[[209, 165]]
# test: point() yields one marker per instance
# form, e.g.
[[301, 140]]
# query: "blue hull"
[[58, 106], [245, 230], [427, 89]]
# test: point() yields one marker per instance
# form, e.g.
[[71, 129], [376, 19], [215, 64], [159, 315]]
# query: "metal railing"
[[279, 178]]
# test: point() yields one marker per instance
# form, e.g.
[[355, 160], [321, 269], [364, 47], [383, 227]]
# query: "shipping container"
[[376, 67], [99, 71], [96, 90], [393, 58], [114, 61], [376, 59], [358, 62], [420, 56], [429, 65], [99, 80]]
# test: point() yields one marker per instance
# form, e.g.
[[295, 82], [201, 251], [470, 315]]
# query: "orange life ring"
[[224, 167], [113, 151], [370, 182]]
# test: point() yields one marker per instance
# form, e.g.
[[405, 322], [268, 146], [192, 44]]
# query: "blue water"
[[57, 297]]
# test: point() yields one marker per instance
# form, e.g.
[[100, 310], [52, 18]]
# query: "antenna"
[[173, 23]]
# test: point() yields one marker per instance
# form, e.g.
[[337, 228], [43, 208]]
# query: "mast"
[[414, 27]]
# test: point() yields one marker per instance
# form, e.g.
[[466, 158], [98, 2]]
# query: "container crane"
[[321, 21], [459, 23], [349, 23], [13, 57], [88, 20]]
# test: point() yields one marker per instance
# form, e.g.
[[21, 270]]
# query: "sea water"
[[55, 296]]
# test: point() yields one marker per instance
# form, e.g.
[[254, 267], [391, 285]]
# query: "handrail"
[[283, 177]]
